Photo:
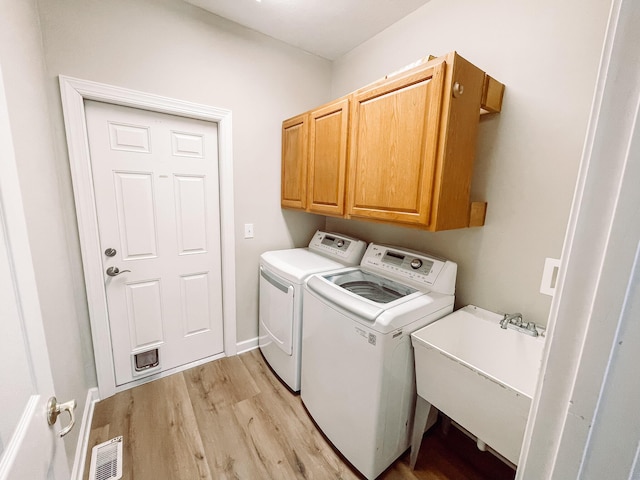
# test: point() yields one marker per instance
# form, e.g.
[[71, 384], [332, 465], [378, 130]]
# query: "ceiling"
[[328, 28]]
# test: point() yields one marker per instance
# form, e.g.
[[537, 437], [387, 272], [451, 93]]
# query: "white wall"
[[546, 53]]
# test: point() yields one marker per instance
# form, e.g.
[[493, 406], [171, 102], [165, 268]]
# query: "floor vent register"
[[106, 460]]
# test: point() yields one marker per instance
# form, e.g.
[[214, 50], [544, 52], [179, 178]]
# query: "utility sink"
[[480, 375]]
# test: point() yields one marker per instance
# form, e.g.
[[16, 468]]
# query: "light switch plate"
[[549, 276], [248, 230]]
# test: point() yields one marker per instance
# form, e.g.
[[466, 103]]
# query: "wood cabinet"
[[393, 147], [314, 159], [327, 160], [294, 162], [403, 153]]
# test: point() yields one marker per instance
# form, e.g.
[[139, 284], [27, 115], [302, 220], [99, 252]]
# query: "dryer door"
[[276, 311]]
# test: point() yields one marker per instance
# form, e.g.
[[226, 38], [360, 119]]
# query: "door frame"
[[73, 93], [574, 412]]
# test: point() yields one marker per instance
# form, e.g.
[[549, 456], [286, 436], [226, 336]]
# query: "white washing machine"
[[358, 378], [282, 273]]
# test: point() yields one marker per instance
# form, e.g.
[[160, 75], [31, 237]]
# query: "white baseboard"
[[246, 345], [83, 437]]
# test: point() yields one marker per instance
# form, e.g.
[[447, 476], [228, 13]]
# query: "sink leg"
[[419, 423], [446, 425]]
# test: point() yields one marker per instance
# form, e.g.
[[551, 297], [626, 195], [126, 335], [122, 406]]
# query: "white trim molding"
[[83, 435], [74, 92], [247, 345]]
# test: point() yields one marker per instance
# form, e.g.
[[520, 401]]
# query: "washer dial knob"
[[416, 263], [339, 243]]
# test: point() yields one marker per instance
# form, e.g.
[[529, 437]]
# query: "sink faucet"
[[515, 318], [515, 321]]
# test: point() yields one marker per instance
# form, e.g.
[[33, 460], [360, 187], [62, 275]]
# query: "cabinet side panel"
[[460, 118]]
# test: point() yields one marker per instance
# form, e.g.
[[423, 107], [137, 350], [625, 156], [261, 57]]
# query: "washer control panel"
[[348, 249], [413, 268]]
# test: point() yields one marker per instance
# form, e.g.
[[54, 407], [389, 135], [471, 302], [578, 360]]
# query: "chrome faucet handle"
[[513, 318]]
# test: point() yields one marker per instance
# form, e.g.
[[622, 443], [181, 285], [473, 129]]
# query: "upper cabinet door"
[[294, 162], [394, 142], [328, 130]]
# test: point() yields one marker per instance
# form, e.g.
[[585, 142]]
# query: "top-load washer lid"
[[364, 295], [372, 287], [391, 288], [326, 251], [296, 264]]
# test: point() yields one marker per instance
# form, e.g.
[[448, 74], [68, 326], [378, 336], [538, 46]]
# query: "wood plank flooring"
[[233, 419]]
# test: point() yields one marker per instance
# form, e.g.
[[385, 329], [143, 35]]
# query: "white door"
[[29, 447], [156, 189]]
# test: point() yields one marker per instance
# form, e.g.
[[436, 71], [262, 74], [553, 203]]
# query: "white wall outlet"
[[248, 230]]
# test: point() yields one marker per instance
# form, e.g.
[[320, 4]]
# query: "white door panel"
[[191, 214], [144, 309], [29, 447], [157, 196], [27, 444], [135, 214]]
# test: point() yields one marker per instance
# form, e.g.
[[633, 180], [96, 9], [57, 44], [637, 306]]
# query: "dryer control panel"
[[347, 249], [414, 268]]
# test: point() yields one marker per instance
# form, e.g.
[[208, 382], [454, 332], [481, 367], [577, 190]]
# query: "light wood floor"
[[233, 419]]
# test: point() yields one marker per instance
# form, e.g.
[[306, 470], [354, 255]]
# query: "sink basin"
[[481, 376]]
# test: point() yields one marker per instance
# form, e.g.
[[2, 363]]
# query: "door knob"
[[115, 271], [54, 409]]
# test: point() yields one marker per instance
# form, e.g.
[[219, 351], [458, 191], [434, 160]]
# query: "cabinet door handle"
[[458, 89]]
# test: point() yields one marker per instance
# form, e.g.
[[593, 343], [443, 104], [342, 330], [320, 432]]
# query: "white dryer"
[[358, 380], [282, 273]]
